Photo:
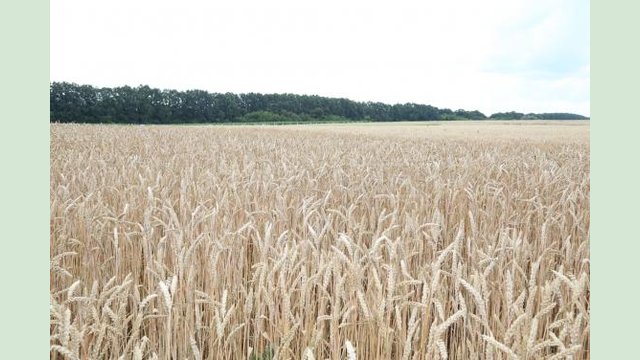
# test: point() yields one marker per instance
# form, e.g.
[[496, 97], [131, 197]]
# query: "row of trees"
[[144, 105], [542, 116]]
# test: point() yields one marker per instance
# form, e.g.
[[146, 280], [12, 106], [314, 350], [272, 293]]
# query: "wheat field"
[[461, 241]]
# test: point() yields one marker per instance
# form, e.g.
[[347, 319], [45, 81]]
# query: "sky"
[[491, 55]]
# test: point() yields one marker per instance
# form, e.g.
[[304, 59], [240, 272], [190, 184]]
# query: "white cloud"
[[495, 55]]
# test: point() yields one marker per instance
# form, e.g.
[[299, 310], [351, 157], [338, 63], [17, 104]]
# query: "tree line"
[[70, 102]]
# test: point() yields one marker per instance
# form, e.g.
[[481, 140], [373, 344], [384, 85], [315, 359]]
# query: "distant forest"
[[144, 105]]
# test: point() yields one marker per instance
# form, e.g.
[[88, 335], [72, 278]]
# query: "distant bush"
[[530, 117], [512, 115], [266, 117]]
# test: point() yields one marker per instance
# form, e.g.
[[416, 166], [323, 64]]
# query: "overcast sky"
[[491, 55]]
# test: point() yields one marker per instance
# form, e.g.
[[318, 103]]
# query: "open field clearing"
[[538, 130], [354, 241]]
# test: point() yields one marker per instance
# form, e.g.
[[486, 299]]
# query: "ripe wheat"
[[305, 242]]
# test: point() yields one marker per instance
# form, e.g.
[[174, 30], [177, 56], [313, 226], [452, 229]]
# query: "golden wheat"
[[370, 242]]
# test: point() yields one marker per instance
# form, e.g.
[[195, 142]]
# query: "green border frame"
[[24, 209], [615, 249], [24, 179]]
